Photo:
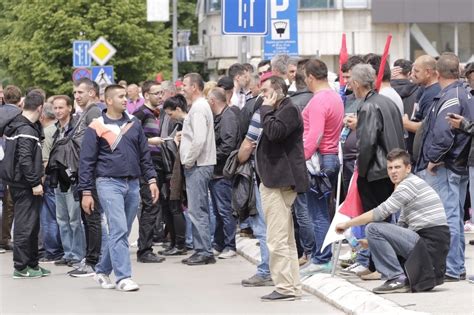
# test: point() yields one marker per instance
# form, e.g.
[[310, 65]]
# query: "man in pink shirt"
[[134, 100], [322, 120]]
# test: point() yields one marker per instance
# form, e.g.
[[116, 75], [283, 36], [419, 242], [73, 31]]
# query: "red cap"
[[178, 83], [265, 76]]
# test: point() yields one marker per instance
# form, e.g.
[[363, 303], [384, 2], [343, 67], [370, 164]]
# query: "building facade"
[[417, 27]]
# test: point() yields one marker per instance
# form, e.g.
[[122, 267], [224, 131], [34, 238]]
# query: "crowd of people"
[[257, 152]]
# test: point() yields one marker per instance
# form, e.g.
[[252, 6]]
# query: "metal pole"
[[175, 40], [353, 43], [242, 47], [456, 39]]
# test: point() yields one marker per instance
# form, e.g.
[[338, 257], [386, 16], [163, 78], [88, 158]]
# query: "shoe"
[[257, 281], [127, 285], [61, 262], [201, 260], [162, 252], [175, 252], [46, 260], [76, 263], [151, 258], [471, 242], [350, 270], [85, 270], [315, 268], [44, 272], [27, 273], [462, 276], [372, 276], [215, 252], [227, 254], [185, 260], [469, 227], [8, 246], [2, 251], [450, 279], [303, 260], [470, 279], [275, 296], [104, 281], [247, 232], [362, 271], [393, 286]]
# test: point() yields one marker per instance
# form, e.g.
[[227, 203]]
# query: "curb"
[[335, 290]]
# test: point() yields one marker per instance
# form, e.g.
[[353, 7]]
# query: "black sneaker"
[[275, 296], [257, 281], [175, 252], [83, 271], [62, 262], [393, 286], [451, 279], [151, 258]]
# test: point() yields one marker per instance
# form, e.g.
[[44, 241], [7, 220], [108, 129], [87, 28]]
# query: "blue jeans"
[[221, 196], [68, 216], [189, 230], [49, 226], [451, 189], [306, 230], [386, 242], [197, 182], [319, 210], [257, 223], [119, 199]]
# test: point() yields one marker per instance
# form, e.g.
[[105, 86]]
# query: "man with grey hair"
[[279, 64], [168, 89], [379, 130], [291, 74]]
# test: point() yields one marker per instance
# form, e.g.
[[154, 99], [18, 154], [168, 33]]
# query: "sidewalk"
[[354, 296]]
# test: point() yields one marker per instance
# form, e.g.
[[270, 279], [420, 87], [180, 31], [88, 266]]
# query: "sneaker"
[[257, 281], [104, 281], [470, 279], [44, 272], [469, 227], [399, 285], [215, 252], [346, 256], [303, 259], [227, 254], [450, 279], [85, 270], [349, 270], [151, 258], [2, 251], [315, 268], [175, 252], [275, 296], [76, 264], [62, 262], [372, 276], [27, 273], [46, 260], [127, 285], [247, 232], [361, 271]]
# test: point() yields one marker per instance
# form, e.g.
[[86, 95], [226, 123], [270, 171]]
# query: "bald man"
[[134, 101], [424, 74]]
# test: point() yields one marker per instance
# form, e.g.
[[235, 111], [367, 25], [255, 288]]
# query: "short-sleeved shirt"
[[424, 104], [255, 127]]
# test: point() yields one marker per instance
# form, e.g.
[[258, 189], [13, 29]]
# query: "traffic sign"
[[80, 53], [102, 51], [80, 73], [283, 37], [103, 75], [244, 17]]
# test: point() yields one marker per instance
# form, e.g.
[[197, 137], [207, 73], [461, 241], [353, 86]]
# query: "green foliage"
[[36, 40]]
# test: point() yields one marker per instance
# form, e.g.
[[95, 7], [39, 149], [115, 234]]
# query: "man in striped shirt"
[[422, 217]]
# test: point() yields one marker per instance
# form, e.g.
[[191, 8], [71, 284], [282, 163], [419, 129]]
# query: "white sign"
[[157, 10], [102, 51]]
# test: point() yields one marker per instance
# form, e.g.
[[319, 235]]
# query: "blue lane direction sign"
[[282, 38], [103, 75], [80, 54], [245, 17]]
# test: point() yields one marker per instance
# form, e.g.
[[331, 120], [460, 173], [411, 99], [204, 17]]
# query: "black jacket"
[[280, 155], [226, 130], [23, 152], [408, 91], [301, 98], [379, 130], [426, 264]]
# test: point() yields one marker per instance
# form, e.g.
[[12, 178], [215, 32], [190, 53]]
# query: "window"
[[356, 4], [466, 42], [317, 4], [213, 5]]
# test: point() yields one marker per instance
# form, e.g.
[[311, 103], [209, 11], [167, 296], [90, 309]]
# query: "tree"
[[36, 45]]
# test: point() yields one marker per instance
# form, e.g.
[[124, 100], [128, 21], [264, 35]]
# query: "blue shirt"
[[426, 101]]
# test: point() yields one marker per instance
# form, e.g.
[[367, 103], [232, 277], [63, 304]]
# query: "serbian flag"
[[343, 56], [382, 63], [350, 208]]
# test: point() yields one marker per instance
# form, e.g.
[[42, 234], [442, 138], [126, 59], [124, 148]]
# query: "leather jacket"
[[379, 130]]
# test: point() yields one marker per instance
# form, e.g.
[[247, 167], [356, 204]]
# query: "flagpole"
[[382, 62]]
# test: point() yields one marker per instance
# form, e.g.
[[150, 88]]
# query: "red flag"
[[382, 63], [343, 56], [352, 205]]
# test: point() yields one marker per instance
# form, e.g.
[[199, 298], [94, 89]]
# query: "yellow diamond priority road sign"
[[102, 51]]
